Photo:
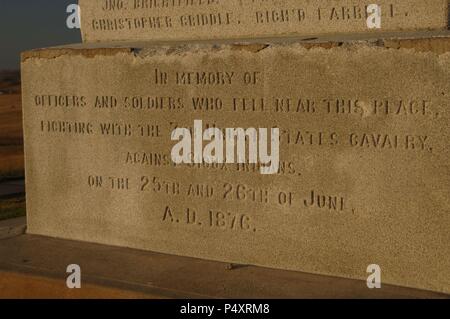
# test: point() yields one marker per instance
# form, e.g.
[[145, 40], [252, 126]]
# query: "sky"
[[31, 24]]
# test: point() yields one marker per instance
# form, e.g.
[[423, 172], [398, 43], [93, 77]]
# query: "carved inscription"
[[166, 112], [127, 15]]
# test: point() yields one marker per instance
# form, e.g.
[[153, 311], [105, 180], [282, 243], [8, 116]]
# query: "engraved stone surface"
[[364, 174], [111, 20]]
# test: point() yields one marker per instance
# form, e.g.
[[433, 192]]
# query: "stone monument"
[[360, 176], [119, 20]]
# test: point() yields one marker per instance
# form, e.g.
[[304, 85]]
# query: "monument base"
[[35, 267]]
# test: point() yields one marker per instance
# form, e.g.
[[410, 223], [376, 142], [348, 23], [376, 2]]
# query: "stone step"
[[35, 267]]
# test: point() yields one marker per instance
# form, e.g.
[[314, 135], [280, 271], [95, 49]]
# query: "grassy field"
[[11, 141], [12, 208]]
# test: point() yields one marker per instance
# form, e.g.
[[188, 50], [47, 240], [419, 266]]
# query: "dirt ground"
[[16, 285]]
